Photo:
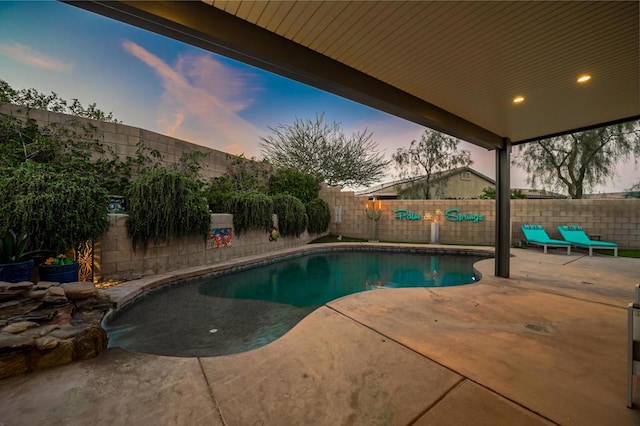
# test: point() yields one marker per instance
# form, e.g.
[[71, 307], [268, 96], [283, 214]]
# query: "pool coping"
[[126, 293], [349, 362]]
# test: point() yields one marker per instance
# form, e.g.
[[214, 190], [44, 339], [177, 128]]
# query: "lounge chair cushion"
[[537, 234], [575, 235]]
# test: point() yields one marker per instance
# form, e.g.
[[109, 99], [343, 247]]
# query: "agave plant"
[[13, 246]]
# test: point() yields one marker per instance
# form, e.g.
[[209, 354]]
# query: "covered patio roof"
[[453, 66]]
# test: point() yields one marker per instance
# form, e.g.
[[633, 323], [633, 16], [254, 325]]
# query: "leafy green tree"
[[433, 153], [242, 175], [324, 151], [189, 163], [248, 174], [62, 147], [71, 147], [251, 210], [33, 99], [290, 181], [56, 208], [319, 214], [165, 204], [292, 215], [219, 191], [517, 194], [577, 162], [489, 193]]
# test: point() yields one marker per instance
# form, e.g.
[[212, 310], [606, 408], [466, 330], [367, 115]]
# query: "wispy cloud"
[[27, 55], [201, 100]]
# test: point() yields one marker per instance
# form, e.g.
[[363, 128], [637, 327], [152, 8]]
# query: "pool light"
[[518, 99]]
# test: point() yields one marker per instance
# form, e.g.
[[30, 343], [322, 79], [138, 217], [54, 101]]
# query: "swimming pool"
[[242, 310]]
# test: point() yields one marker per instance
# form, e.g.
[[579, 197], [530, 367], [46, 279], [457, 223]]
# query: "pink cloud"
[[27, 55], [172, 124], [212, 76], [201, 101]]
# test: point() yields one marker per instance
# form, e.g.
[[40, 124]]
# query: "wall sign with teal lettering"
[[406, 214], [454, 215]]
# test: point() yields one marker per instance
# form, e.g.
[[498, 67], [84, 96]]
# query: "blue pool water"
[[243, 310]]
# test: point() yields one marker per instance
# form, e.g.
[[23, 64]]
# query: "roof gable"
[[389, 188]]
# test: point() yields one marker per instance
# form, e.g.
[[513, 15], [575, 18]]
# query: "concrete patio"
[[547, 346]]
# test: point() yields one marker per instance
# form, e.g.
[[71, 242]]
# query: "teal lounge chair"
[[576, 236], [535, 234]]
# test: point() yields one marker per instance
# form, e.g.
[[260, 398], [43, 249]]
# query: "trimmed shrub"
[[56, 208], [251, 210], [165, 204], [292, 216], [219, 201], [293, 182], [219, 192], [319, 215]]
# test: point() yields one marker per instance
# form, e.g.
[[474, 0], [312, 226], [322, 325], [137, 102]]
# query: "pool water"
[[243, 310]]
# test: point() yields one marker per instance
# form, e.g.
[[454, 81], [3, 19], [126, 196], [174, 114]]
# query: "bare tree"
[[325, 152], [433, 153], [576, 162]]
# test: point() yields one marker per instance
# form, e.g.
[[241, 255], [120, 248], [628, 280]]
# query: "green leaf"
[[9, 244]]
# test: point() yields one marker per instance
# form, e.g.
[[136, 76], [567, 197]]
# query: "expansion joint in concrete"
[[391, 339], [458, 383], [574, 259], [437, 401], [211, 394]]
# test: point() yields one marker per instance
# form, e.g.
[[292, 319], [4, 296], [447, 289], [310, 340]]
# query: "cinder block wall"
[[115, 259], [114, 256], [123, 139], [613, 220]]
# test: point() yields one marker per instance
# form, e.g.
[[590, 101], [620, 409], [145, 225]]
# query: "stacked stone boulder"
[[49, 324]]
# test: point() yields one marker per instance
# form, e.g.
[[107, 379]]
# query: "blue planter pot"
[[116, 205], [16, 271], [59, 273]]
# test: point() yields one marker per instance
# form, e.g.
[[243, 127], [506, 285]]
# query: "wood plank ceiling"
[[461, 60], [473, 58]]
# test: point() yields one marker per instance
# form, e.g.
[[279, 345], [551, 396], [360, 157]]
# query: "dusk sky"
[[169, 87]]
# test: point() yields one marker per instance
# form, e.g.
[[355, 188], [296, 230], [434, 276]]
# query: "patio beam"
[[503, 209], [212, 29]]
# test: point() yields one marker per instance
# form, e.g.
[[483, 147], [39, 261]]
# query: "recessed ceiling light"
[[584, 78], [518, 99]]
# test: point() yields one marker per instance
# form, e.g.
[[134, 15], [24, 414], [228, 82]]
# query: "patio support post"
[[503, 209]]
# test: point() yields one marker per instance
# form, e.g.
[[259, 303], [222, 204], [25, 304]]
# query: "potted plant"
[[15, 266], [59, 269]]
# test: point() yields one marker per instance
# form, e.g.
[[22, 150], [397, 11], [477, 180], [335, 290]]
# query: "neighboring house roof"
[[613, 195], [451, 172], [536, 194], [388, 189]]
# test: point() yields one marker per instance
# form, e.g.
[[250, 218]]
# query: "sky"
[[159, 84]]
